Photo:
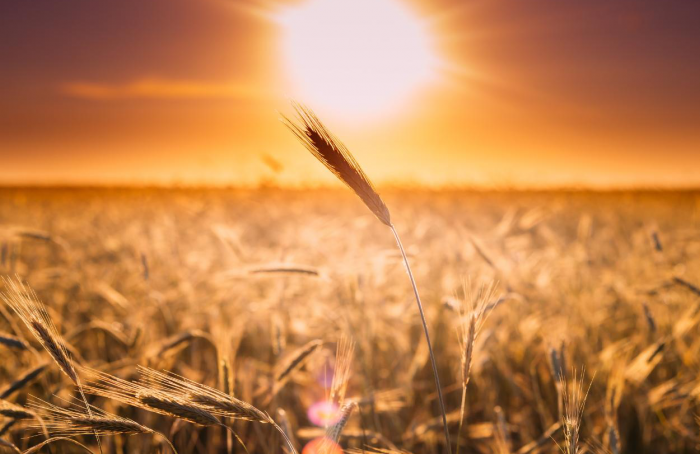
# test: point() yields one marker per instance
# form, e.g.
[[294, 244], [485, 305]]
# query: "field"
[[229, 288]]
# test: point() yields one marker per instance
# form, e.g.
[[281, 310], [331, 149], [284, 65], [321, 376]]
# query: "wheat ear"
[[22, 381], [26, 305], [574, 404], [171, 395], [10, 410], [24, 301], [472, 319], [73, 420], [294, 362], [344, 352], [11, 341], [208, 399], [337, 158], [334, 431], [7, 426]]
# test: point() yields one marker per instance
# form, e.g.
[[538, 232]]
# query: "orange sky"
[[525, 93]]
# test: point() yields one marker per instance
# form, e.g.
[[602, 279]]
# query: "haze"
[[538, 93]]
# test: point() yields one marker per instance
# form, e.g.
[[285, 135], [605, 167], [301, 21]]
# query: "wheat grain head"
[[337, 158]]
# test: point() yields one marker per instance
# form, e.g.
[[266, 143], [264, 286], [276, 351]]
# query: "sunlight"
[[362, 57]]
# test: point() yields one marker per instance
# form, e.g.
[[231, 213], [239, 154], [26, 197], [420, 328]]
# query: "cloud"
[[157, 89]]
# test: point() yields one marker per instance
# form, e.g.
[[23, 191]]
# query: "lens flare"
[[322, 445], [324, 413]]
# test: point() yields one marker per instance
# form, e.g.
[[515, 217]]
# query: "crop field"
[[270, 321]]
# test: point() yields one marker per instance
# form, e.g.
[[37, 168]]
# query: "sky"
[[489, 93]]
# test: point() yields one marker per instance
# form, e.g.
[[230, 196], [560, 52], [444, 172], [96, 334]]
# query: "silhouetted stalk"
[[427, 337], [331, 152]]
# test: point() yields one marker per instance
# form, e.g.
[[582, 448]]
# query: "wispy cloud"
[[157, 89]]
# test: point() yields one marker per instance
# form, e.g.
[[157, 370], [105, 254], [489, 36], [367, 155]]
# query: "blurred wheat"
[[254, 349]]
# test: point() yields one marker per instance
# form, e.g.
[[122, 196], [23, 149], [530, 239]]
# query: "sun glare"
[[362, 57]]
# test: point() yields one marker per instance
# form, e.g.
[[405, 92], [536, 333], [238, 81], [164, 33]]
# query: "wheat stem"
[[461, 414], [427, 337], [284, 435], [337, 158], [167, 441], [55, 439]]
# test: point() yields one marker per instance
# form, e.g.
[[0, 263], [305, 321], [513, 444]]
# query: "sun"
[[358, 57]]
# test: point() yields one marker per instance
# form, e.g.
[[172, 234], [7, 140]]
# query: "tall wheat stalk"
[[472, 317], [575, 396], [338, 159]]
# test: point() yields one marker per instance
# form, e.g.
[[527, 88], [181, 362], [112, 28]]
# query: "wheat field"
[[269, 320]]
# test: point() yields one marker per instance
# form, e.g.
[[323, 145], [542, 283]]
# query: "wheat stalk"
[[38, 447], [341, 369], [337, 158], [421, 431], [333, 154], [502, 436], [334, 431], [11, 410], [295, 361], [613, 397], [285, 425], [16, 413], [74, 421], [7, 426], [29, 309], [557, 362], [22, 381], [217, 401], [544, 438], [284, 269], [574, 404], [168, 405], [328, 443], [184, 337], [211, 400], [225, 376], [11, 341], [8, 447], [478, 309], [682, 282], [144, 397], [156, 401], [375, 450], [24, 301], [171, 395]]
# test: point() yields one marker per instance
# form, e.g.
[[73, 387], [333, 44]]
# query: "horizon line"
[[336, 186]]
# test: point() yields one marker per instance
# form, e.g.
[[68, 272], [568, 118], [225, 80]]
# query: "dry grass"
[[605, 282]]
